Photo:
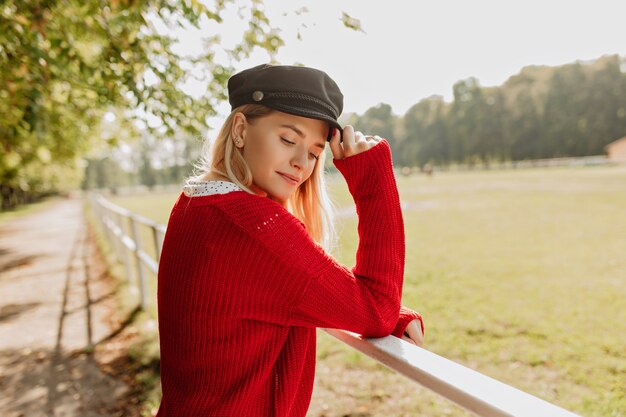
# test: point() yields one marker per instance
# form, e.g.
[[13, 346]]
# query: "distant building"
[[617, 151]]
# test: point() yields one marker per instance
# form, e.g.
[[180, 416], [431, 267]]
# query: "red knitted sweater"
[[242, 287]]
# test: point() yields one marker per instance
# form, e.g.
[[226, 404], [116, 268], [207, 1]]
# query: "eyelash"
[[293, 143]]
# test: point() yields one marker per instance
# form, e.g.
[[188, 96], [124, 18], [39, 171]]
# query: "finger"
[[348, 141], [361, 143], [335, 146], [414, 330], [406, 339], [359, 137]]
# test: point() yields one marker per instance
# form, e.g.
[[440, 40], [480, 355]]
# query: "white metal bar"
[[134, 230], [148, 261], [469, 389], [157, 245]]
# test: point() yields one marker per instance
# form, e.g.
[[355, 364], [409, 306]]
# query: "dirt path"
[[56, 304]]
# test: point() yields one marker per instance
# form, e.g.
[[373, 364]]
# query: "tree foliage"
[[64, 63]]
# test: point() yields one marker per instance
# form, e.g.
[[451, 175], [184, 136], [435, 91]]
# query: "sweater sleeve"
[[365, 299]]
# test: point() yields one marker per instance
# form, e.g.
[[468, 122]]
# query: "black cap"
[[302, 91]]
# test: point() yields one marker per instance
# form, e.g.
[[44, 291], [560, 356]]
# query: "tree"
[[104, 173], [565, 113], [426, 135], [378, 120], [464, 120], [523, 129], [605, 98]]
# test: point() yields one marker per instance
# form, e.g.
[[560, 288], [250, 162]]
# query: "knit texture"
[[242, 287]]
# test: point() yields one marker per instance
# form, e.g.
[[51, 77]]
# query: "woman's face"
[[281, 150]]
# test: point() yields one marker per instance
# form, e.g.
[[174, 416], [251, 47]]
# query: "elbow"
[[387, 328], [384, 323], [381, 330]]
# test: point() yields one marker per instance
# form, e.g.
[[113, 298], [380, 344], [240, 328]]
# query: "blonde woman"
[[244, 279]]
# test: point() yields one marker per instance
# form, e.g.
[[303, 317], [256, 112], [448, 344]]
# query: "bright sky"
[[413, 49]]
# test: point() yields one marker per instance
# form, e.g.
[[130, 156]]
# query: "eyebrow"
[[302, 135]]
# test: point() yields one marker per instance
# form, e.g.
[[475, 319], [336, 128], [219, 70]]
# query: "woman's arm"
[[365, 299], [284, 277]]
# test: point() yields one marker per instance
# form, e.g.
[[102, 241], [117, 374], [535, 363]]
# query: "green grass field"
[[520, 275]]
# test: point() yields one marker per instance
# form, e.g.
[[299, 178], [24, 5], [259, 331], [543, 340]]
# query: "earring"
[[237, 141]]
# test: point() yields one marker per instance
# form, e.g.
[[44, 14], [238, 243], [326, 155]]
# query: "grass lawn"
[[519, 274]]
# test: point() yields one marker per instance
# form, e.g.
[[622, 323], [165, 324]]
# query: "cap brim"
[[311, 114]]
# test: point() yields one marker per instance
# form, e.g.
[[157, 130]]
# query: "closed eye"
[[311, 155]]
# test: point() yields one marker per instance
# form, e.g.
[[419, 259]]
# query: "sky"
[[410, 50]]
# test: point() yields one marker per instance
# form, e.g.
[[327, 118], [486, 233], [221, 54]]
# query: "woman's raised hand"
[[353, 143]]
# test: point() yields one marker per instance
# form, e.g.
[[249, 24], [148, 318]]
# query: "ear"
[[239, 129]]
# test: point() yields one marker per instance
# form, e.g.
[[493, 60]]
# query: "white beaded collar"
[[204, 188]]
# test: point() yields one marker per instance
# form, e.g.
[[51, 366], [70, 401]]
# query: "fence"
[[469, 389], [580, 161]]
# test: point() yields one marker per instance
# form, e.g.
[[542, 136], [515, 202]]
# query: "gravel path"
[[56, 304]]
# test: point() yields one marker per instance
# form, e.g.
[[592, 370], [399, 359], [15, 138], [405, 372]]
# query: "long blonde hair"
[[310, 202]]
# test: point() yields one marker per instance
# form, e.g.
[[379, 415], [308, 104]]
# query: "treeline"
[[146, 161], [106, 173], [542, 112]]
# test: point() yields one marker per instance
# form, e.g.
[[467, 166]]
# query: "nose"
[[299, 157]]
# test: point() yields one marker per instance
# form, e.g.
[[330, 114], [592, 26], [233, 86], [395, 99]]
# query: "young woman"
[[244, 280]]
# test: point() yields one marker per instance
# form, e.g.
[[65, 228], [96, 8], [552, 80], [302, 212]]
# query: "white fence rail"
[[469, 389], [121, 228]]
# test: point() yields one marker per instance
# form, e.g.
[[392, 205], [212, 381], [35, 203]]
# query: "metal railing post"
[[113, 227], [139, 265], [157, 243], [125, 259]]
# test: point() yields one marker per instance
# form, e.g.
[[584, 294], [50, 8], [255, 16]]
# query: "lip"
[[290, 178]]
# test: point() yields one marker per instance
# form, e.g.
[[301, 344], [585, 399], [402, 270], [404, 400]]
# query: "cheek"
[[253, 158], [311, 169], [260, 157]]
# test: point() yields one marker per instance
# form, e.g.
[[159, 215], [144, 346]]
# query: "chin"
[[281, 198], [282, 195], [282, 201], [277, 193]]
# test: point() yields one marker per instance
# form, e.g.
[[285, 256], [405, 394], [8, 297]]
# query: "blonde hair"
[[310, 202]]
